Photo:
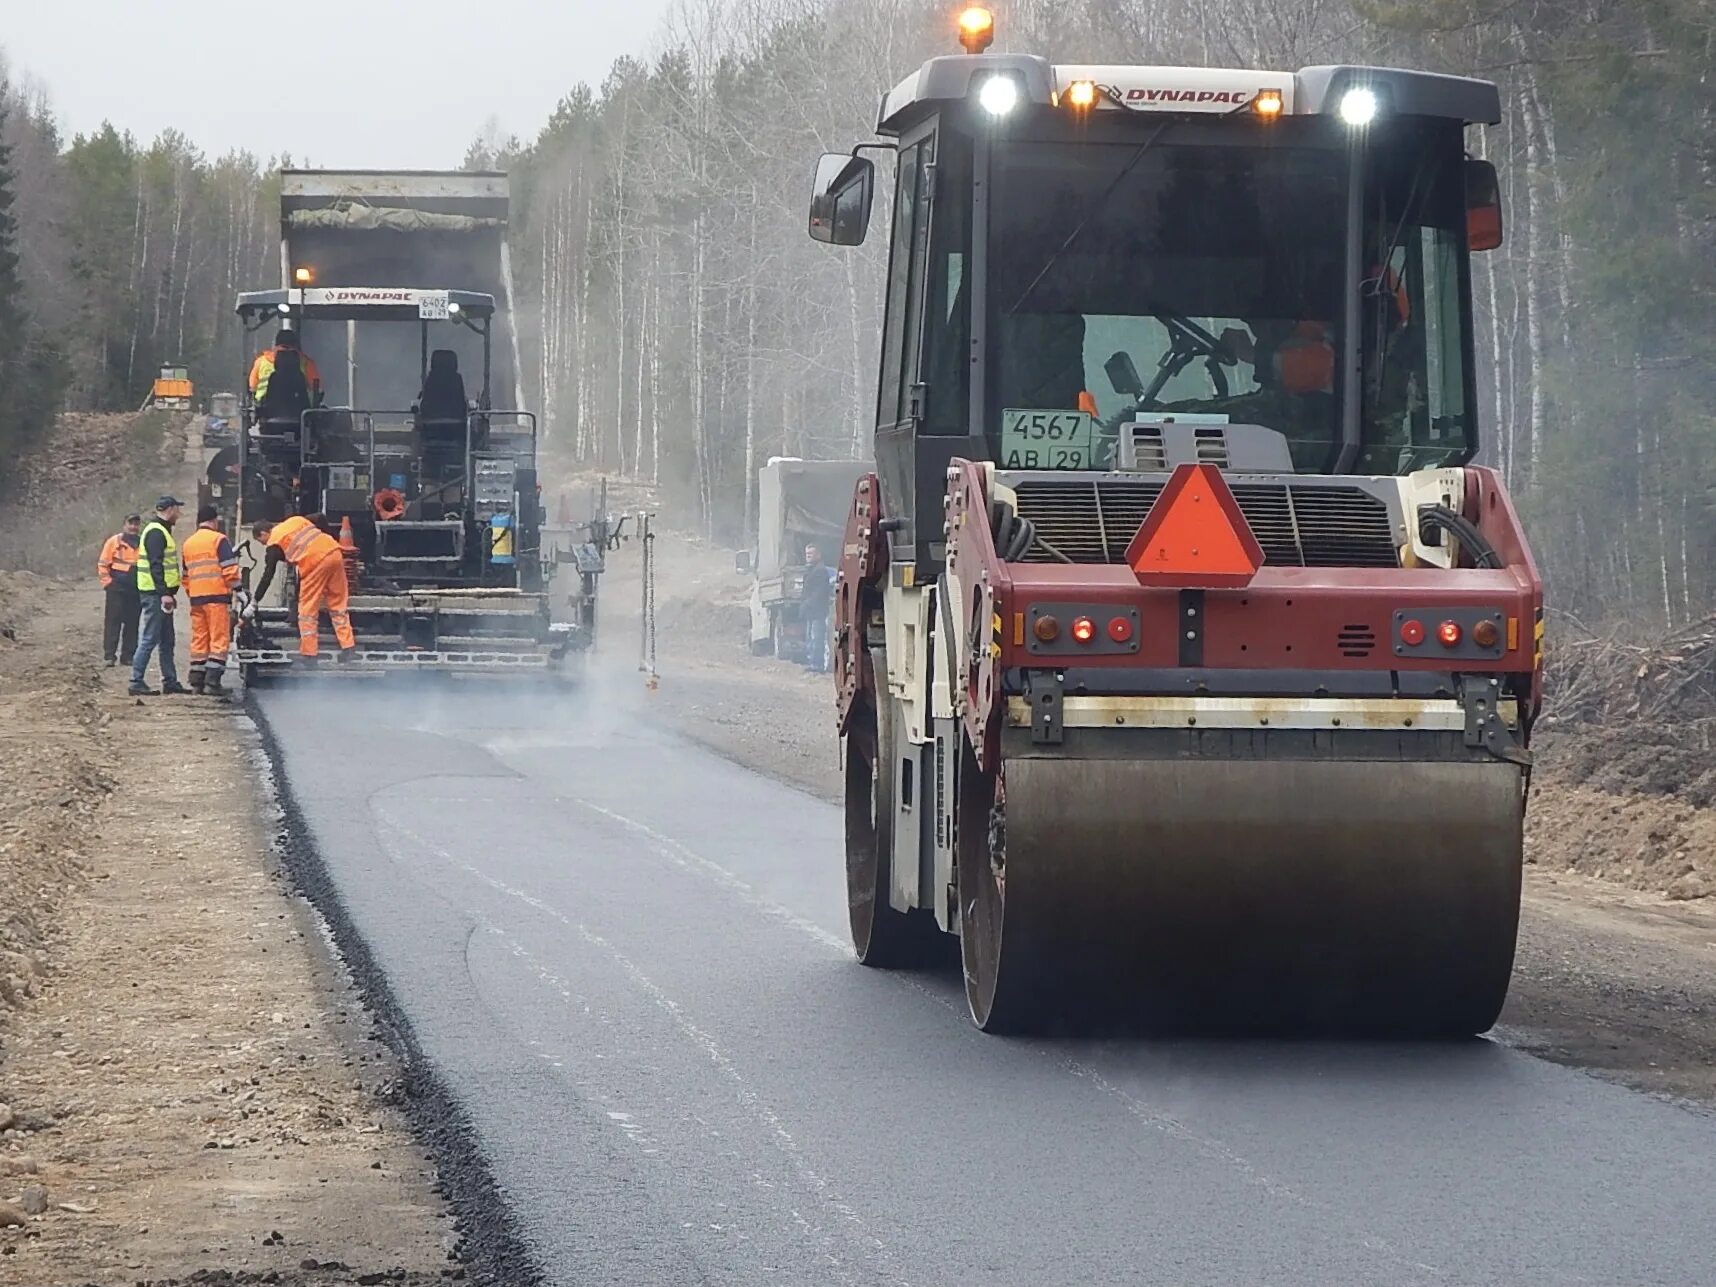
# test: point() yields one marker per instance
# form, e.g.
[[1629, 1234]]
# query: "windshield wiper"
[[1095, 209]]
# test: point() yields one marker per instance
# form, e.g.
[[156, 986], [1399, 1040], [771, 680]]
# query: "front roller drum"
[[1325, 896], [882, 935]]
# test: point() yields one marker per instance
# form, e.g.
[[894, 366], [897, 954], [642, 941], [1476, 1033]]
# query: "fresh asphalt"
[[626, 959]]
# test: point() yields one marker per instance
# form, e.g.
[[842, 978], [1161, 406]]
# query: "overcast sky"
[[388, 84]]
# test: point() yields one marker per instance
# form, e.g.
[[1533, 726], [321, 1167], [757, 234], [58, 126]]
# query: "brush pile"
[[1610, 679]]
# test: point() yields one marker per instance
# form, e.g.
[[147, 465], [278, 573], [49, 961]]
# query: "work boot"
[[197, 684], [348, 654], [140, 688], [215, 686], [110, 662], [175, 689], [308, 661]]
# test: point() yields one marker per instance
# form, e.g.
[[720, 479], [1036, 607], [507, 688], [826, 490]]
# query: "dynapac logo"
[[368, 295], [1234, 98]]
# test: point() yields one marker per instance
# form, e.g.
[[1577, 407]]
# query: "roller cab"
[[1186, 662]]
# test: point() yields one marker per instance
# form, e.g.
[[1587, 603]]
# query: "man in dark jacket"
[[815, 605], [159, 575], [117, 568]]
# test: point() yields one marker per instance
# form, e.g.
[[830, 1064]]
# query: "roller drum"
[[1327, 895]]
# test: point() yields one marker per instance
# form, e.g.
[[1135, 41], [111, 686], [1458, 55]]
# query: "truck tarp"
[[799, 501], [369, 218]]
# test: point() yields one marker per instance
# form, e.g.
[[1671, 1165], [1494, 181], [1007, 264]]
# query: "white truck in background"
[[799, 503]]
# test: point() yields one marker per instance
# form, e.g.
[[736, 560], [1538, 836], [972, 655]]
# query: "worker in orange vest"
[[117, 568], [321, 568], [211, 576]]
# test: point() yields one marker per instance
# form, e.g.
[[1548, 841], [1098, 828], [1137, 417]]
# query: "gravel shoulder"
[[191, 1089], [1616, 968]]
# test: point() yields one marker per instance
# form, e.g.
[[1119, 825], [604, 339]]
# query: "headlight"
[[999, 95], [1358, 106]]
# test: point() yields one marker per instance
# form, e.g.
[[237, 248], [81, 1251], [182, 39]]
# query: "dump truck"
[[172, 390], [408, 437], [1186, 661], [220, 429], [799, 503]]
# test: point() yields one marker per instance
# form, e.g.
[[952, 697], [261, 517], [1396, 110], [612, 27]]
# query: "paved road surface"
[[628, 958]]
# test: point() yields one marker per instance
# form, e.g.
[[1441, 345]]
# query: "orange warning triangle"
[[1195, 535]]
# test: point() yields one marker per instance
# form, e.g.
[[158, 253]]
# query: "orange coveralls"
[[321, 580], [210, 577]]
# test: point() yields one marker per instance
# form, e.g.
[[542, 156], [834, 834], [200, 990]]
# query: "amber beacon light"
[[976, 29], [1081, 95]]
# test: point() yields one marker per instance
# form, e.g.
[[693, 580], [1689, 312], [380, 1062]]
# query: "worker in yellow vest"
[[158, 579], [211, 576]]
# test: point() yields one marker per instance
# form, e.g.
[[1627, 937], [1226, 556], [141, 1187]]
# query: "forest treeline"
[[679, 326], [116, 257]]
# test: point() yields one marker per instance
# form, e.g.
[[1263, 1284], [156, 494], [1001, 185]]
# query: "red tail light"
[[1083, 629], [1448, 634], [1412, 633], [1119, 629]]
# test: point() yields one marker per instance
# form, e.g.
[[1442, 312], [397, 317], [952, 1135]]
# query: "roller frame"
[[965, 695]]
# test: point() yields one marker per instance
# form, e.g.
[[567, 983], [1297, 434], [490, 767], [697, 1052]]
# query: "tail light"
[[1089, 629], [1446, 633]]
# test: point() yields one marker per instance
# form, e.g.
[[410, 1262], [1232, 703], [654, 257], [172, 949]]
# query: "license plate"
[[1036, 439]]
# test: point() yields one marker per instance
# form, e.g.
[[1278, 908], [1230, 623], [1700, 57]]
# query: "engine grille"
[[1093, 520]]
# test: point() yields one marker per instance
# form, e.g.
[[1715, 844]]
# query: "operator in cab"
[[283, 378], [321, 569]]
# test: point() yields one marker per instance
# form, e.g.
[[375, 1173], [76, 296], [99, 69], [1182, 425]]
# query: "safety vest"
[[169, 559], [118, 561], [211, 566], [1305, 360], [302, 541], [263, 368]]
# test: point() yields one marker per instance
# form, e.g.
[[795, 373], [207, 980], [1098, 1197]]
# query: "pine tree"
[[14, 426]]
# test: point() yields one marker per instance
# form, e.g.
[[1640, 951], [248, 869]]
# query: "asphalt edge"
[[490, 1245]]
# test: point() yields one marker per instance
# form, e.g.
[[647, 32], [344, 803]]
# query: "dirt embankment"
[[1626, 782], [189, 1091], [69, 495]]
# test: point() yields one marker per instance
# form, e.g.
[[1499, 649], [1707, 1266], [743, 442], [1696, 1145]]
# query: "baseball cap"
[[168, 502]]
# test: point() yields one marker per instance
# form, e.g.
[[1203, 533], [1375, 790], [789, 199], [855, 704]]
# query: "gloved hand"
[[248, 611]]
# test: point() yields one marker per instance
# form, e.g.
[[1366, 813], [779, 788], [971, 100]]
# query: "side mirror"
[[1483, 206], [742, 562], [840, 201], [1123, 375]]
